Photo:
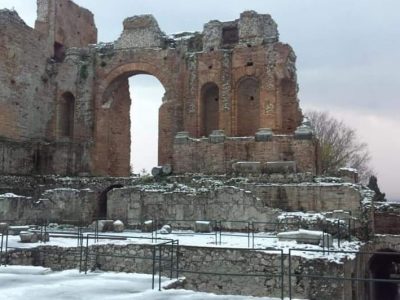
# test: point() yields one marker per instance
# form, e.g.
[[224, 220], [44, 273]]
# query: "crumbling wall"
[[229, 53], [228, 203], [309, 197], [66, 24], [30, 94], [253, 73], [26, 199], [26, 95], [57, 205], [386, 218]]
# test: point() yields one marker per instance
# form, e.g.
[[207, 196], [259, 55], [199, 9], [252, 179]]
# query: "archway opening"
[[384, 265], [103, 198], [146, 94]]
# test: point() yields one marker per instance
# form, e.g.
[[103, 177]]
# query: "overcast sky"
[[348, 62]]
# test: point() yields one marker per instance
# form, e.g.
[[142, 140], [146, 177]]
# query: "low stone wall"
[[253, 202], [209, 157], [222, 203], [387, 218], [212, 263], [38, 157], [308, 197], [25, 199], [57, 205]]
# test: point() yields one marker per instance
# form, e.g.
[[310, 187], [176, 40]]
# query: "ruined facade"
[[230, 109], [231, 95]]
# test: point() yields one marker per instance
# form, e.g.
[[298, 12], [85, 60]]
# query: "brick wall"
[[387, 223], [25, 92], [252, 71]]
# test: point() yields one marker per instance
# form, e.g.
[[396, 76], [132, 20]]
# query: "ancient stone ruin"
[[234, 156]]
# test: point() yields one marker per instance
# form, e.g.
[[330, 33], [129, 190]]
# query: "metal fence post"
[[87, 254], [290, 275], [154, 266], [159, 268]]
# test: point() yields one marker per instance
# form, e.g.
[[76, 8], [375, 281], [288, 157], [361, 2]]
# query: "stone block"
[[202, 226], [247, 167], [217, 136], [280, 167], [182, 137], [264, 135], [306, 237], [148, 226], [257, 29], [166, 229], [118, 226], [103, 225], [28, 237], [212, 33], [156, 171], [167, 169], [348, 175], [303, 132], [141, 32]]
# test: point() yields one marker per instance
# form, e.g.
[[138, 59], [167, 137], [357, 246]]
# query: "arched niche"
[[209, 108], [248, 106], [66, 114]]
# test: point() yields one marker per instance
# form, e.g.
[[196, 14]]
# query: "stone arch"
[[130, 69], [383, 265], [209, 108], [247, 106], [112, 119], [66, 115]]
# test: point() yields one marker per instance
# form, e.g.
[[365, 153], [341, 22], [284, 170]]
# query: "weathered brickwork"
[[59, 86]]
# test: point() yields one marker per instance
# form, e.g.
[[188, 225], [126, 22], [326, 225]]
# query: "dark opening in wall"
[[230, 35], [66, 113], [209, 108], [102, 208], [59, 52], [384, 265]]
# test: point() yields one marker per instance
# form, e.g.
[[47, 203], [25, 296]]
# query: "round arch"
[[130, 69], [247, 100], [111, 150], [209, 108]]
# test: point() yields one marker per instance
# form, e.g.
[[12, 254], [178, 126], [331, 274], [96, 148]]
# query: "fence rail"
[[165, 253]]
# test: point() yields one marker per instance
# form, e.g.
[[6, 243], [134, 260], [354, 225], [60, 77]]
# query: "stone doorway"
[[384, 265], [102, 208]]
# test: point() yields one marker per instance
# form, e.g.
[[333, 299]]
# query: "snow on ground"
[[23, 282], [189, 238]]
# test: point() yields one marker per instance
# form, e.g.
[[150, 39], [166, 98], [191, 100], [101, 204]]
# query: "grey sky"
[[348, 56]]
